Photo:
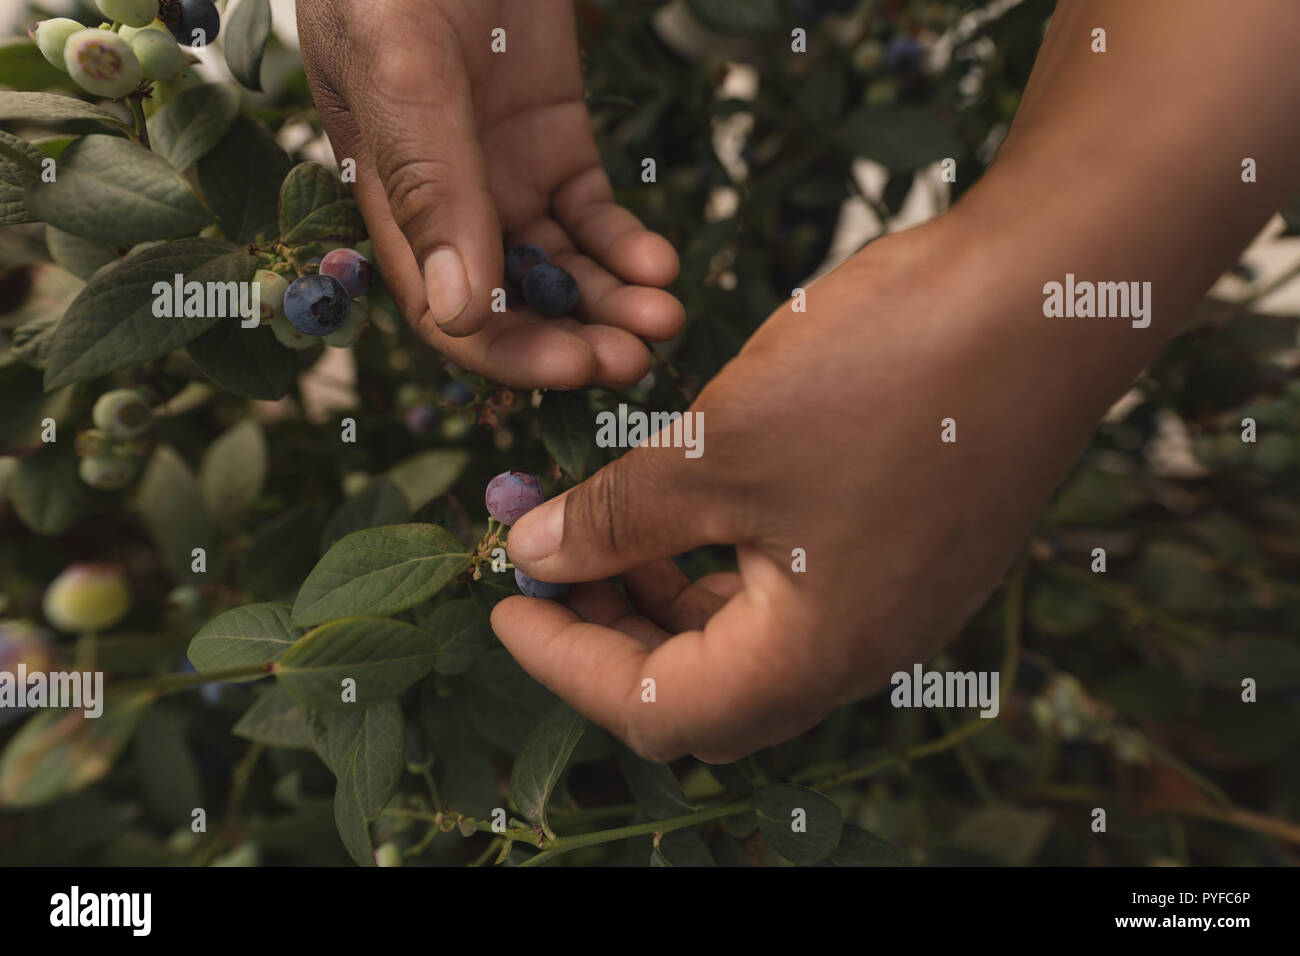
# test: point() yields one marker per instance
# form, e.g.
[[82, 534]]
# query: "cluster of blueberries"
[[113, 452], [145, 46], [510, 496], [326, 304], [545, 286]]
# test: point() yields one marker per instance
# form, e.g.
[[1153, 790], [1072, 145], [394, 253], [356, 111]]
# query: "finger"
[[429, 160], [661, 592], [722, 583], [610, 234], [650, 503], [747, 680]]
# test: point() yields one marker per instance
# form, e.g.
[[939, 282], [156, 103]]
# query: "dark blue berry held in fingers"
[[550, 290]]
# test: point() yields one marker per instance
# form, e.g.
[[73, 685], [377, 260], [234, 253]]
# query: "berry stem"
[[141, 127]]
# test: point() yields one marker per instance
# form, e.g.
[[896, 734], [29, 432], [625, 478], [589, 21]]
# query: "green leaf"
[[380, 732], [241, 179], [541, 763], [567, 430], [281, 553], [250, 363], [20, 166], [52, 108], [24, 68], [735, 16], [681, 848], [504, 701], [275, 719], [463, 634], [233, 471], [429, 474], [380, 503], [353, 828], [46, 492], [859, 847], [383, 657], [188, 127], [801, 825], [247, 28], [82, 257], [653, 786], [172, 509], [380, 571], [315, 206], [111, 325], [243, 637], [116, 191], [58, 752], [899, 138], [26, 407], [165, 768]]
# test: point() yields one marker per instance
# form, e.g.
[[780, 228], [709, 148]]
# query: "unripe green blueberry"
[[133, 13], [51, 37], [272, 287], [123, 413], [108, 471], [87, 597], [101, 62], [289, 336], [353, 327], [388, 854], [159, 54], [91, 442], [129, 33]]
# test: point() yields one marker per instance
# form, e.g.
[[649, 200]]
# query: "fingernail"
[[538, 533], [446, 283]]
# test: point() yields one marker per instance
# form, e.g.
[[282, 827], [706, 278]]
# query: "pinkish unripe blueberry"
[[87, 597], [123, 413], [512, 494], [108, 471], [350, 268]]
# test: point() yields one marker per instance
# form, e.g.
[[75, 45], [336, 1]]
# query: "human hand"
[[455, 146]]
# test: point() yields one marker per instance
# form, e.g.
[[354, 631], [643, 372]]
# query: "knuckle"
[[416, 186], [601, 509]]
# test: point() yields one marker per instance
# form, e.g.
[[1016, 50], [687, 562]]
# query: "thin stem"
[[141, 126], [580, 840], [87, 651], [170, 683]]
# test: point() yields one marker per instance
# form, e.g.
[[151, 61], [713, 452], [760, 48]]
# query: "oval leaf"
[[380, 731], [463, 634], [380, 503], [567, 430], [542, 760], [248, 26], [315, 205], [188, 127], [383, 657], [241, 179], [275, 719], [172, 509], [802, 825], [242, 637], [52, 108], [232, 472], [380, 571], [110, 325], [116, 191]]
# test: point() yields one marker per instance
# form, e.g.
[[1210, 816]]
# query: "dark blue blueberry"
[[904, 55], [184, 17], [316, 304], [539, 589], [458, 393], [520, 259], [550, 290]]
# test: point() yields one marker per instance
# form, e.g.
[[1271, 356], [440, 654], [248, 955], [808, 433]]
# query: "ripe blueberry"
[[512, 494], [550, 290], [51, 37], [192, 22], [87, 597], [159, 55], [122, 413], [520, 259], [101, 62], [316, 304], [458, 393], [133, 13], [350, 268], [353, 327], [539, 589], [904, 55]]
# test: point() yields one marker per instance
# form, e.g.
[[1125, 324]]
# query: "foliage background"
[[1126, 686]]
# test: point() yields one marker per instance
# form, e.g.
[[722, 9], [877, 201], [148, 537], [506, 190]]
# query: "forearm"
[[1127, 166]]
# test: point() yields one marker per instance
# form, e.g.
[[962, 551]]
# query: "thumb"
[[651, 503], [427, 154]]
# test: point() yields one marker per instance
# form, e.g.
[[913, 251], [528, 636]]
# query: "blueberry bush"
[[289, 595]]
